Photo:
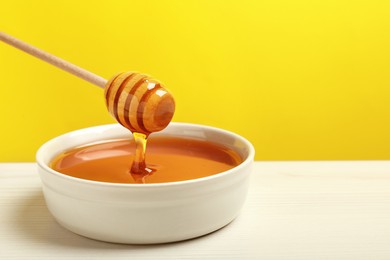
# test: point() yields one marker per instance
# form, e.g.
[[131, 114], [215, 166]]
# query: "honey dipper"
[[137, 101]]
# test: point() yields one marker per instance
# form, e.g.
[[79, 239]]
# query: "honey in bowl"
[[169, 159]]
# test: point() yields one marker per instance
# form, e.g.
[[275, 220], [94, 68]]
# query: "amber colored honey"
[[168, 159]]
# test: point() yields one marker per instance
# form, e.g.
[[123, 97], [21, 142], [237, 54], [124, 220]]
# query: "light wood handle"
[[50, 58]]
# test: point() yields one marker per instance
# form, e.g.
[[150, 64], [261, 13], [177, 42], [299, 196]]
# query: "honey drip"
[[139, 169]]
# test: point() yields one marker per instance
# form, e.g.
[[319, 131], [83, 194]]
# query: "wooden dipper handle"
[[50, 58], [136, 101]]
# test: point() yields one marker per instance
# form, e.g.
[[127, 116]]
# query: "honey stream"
[[139, 169]]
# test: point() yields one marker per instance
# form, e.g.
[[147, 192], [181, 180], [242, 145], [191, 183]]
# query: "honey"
[[168, 159]]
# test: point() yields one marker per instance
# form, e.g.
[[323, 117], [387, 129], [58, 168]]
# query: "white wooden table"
[[294, 210]]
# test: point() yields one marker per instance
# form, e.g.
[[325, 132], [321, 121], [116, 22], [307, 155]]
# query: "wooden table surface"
[[294, 210]]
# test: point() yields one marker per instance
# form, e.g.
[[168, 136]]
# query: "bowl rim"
[[248, 160]]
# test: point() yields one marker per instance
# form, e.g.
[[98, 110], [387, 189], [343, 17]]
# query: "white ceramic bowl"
[[145, 213]]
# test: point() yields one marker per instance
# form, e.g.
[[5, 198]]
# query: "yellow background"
[[300, 79]]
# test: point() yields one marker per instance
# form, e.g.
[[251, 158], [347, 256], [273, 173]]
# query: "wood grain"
[[294, 210]]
